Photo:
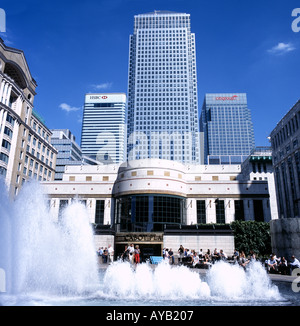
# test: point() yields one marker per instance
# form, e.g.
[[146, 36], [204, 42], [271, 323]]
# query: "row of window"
[[239, 212], [287, 176], [286, 131]]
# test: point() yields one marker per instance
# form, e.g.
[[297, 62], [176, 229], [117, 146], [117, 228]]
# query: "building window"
[[220, 211], [258, 210], [62, 205], [99, 212], [239, 210], [6, 144], [4, 157], [3, 171], [148, 213], [201, 212]]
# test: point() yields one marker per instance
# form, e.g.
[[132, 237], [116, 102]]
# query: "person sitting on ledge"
[[283, 266], [223, 255], [272, 264], [294, 264], [195, 260], [243, 261], [216, 256], [206, 261]]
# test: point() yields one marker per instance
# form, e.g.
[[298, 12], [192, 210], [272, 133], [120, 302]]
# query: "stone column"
[[191, 211], [211, 211], [2, 88]]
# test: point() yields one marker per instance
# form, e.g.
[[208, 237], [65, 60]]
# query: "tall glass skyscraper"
[[103, 132], [228, 130], [162, 89]]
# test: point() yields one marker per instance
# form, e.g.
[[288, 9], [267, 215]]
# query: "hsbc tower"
[[103, 130]]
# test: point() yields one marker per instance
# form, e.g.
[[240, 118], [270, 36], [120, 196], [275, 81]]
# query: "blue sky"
[[76, 47]]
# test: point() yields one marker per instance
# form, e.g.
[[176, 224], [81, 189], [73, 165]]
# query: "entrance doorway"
[[147, 250]]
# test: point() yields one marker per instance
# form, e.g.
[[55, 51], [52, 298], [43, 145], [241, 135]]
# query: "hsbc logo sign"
[[232, 98], [103, 97]]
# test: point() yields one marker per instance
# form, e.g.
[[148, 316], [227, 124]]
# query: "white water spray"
[[224, 282], [57, 262], [43, 256]]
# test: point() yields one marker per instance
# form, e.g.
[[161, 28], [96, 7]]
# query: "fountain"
[[43, 256], [51, 263]]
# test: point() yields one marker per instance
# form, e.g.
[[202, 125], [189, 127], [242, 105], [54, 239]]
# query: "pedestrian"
[[104, 255], [131, 253], [125, 255], [137, 253], [110, 254], [171, 256]]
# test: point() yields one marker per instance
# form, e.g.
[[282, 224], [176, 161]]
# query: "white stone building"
[[26, 151], [159, 203]]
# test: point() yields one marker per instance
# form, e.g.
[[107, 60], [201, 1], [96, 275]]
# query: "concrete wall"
[[104, 241], [204, 242], [285, 237]]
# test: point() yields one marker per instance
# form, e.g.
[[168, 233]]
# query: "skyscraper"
[[103, 127], [228, 129], [68, 152], [162, 89]]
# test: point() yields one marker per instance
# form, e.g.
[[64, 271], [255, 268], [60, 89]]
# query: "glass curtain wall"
[[148, 213]]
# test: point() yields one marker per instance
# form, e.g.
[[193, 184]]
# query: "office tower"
[[162, 89], [103, 127], [26, 151], [69, 152], [228, 129]]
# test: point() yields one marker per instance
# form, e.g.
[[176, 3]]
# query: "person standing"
[[105, 255], [137, 254], [131, 253], [110, 254]]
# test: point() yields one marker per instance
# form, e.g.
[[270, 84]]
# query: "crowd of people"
[[280, 264], [106, 254], [132, 254], [200, 259]]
